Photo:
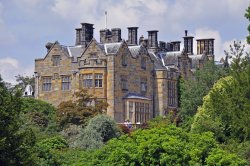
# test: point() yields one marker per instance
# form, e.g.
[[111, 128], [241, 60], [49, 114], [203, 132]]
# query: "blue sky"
[[27, 25]]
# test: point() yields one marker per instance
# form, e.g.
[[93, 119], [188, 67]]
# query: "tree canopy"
[[163, 146], [78, 112], [193, 90], [15, 143]]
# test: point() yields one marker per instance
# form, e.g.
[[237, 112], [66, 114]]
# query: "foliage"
[[159, 146], [193, 90], [124, 129], [89, 140], [53, 143], [247, 15], [104, 125], [39, 116], [48, 150], [16, 145], [158, 122], [41, 113], [23, 81], [99, 130], [225, 109], [80, 111], [221, 157]]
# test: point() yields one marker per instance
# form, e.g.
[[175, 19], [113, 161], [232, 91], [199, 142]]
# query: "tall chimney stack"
[[153, 40], [78, 36], [188, 43], [132, 35], [87, 33], [116, 35]]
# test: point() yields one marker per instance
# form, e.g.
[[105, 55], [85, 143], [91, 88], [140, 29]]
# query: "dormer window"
[[124, 60], [56, 60]]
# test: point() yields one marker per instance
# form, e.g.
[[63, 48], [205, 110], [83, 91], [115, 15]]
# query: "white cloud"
[[9, 68]]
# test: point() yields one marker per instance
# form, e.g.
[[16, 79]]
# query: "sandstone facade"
[[139, 82]]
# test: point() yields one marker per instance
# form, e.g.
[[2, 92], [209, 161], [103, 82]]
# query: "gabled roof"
[[53, 45], [75, 51], [92, 41], [158, 65], [134, 50], [170, 58]]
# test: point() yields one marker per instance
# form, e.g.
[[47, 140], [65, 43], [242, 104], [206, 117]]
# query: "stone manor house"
[[137, 79]]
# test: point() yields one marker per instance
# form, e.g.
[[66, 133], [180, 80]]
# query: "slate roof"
[[110, 48], [73, 51], [195, 60], [170, 58], [134, 50], [158, 65]]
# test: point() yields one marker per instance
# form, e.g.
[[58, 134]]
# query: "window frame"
[[124, 83], [56, 60], [98, 80], [87, 80], [65, 83], [47, 84]]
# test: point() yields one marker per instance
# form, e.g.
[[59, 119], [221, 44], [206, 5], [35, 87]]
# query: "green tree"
[[226, 108], [16, 145], [99, 130], [193, 90], [247, 15], [80, 111], [49, 151], [23, 81], [40, 113], [162, 146]]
